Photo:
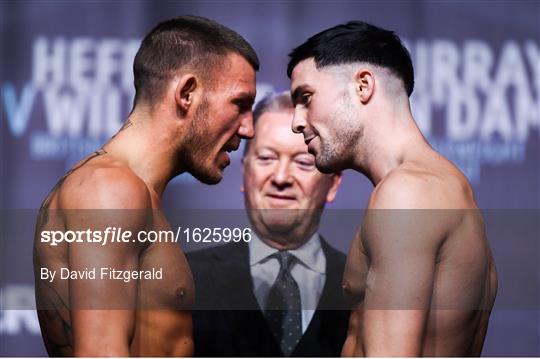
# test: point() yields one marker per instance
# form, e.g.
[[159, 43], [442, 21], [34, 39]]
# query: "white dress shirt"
[[309, 272]]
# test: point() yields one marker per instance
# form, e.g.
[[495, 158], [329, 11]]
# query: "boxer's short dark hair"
[[185, 42], [357, 41]]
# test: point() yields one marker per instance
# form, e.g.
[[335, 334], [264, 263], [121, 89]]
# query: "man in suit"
[[280, 293]]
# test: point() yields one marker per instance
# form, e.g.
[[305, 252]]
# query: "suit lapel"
[[331, 299], [233, 279], [332, 294], [239, 306]]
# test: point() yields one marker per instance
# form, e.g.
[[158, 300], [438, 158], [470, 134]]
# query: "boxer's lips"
[[311, 147], [224, 158], [308, 140], [230, 149], [224, 153]]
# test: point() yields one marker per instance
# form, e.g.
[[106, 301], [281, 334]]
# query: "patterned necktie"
[[283, 305]]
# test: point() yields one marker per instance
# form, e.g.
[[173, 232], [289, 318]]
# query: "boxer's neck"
[[387, 142], [148, 148]]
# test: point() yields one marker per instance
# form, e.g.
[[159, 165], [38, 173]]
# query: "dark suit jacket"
[[227, 320]]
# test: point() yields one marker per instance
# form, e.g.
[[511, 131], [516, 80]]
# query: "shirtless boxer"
[[420, 268], [195, 85]]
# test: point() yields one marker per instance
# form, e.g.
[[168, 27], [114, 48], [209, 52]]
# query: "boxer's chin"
[[211, 172], [213, 179], [208, 174], [327, 164]]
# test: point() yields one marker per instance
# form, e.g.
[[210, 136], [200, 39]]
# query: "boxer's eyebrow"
[[246, 97], [245, 100]]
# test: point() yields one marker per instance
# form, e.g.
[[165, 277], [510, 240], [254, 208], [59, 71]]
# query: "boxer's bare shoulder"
[[102, 183], [110, 185], [411, 186]]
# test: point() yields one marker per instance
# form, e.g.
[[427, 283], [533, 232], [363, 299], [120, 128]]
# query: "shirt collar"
[[258, 250], [309, 254]]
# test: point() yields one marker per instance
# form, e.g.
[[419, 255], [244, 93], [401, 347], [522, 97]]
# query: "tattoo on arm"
[[45, 203]]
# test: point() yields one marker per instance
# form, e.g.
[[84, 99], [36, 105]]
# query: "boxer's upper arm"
[[402, 242], [103, 310]]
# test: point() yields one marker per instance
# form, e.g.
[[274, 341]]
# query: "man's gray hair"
[[274, 102]]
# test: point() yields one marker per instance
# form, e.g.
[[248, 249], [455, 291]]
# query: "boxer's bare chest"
[[170, 283], [355, 275]]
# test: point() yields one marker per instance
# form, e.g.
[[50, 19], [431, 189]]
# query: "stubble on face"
[[338, 146], [196, 149]]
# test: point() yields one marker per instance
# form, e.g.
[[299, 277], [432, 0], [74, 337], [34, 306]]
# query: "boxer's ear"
[[365, 85], [184, 92]]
